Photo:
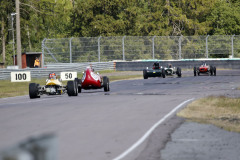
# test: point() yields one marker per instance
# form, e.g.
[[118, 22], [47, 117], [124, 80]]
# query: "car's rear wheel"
[[163, 73], [76, 86], [179, 72], [71, 90], [145, 76], [211, 70], [214, 71], [195, 71], [106, 84], [33, 90], [79, 86]]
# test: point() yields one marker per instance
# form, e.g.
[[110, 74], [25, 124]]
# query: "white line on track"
[[145, 136]]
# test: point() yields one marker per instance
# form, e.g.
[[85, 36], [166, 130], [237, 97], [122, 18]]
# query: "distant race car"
[[156, 71], [92, 80], [204, 69], [53, 86], [169, 70]]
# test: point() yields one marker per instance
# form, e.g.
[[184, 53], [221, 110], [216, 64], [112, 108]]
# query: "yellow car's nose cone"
[[53, 82]]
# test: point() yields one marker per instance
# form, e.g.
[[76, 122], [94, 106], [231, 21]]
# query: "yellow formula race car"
[[53, 86]]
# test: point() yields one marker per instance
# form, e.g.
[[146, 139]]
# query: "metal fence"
[[103, 49]]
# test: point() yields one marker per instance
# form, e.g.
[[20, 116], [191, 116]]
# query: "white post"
[[99, 48], [207, 46], [70, 45], [43, 52], [13, 14], [180, 47], [153, 50], [123, 47], [232, 47], [18, 35]]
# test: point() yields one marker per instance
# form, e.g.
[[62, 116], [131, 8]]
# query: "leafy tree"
[[6, 8], [225, 19], [93, 18]]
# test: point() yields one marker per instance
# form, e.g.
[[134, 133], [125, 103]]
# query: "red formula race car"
[[204, 69], [92, 80]]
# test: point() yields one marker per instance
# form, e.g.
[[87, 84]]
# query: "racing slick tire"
[[71, 89], [79, 86], [76, 86], [214, 71], [211, 70], [179, 72], [195, 71], [106, 84], [33, 90], [198, 71], [163, 73], [145, 76]]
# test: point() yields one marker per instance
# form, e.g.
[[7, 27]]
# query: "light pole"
[[18, 36], [207, 46], [123, 45], [99, 38], [13, 43], [232, 46]]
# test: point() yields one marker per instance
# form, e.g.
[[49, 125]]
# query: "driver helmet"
[[169, 65], [155, 65], [91, 67], [52, 75]]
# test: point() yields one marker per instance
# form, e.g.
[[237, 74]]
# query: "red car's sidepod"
[[90, 80]]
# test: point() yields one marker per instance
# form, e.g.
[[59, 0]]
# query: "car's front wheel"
[[179, 72], [106, 84]]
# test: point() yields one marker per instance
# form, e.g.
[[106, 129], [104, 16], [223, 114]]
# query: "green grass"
[[221, 111], [11, 89]]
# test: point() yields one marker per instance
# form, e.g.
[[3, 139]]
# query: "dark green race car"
[[156, 71]]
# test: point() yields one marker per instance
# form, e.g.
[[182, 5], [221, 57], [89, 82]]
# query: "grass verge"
[[11, 89], [221, 111]]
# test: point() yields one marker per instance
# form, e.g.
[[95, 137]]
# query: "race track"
[[101, 126]]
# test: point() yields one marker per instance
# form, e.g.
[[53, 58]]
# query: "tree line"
[[92, 18]]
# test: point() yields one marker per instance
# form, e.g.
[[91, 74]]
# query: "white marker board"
[[66, 76], [21, 76]]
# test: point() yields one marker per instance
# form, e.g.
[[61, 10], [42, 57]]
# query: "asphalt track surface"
[[101, 126]]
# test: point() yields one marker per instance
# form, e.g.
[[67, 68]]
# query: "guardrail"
[[119, 66], [184, 64], [5, 74]]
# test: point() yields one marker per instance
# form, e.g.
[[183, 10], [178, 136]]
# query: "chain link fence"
[[128, 48]]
